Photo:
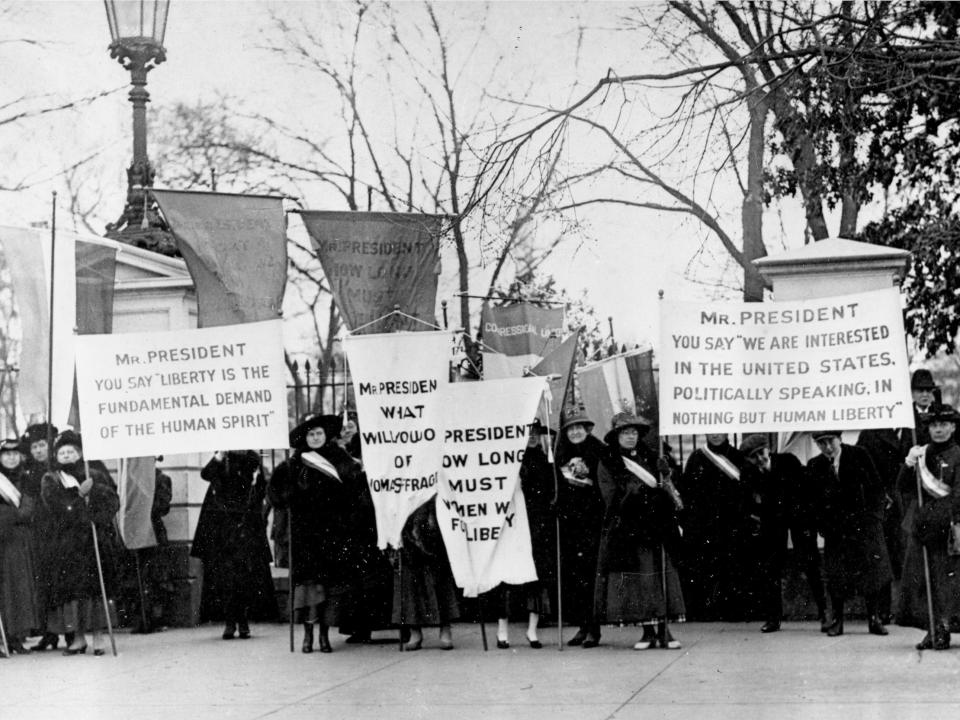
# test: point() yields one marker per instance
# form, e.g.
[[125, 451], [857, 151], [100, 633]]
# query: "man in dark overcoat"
[[849, 514], [780, 481]]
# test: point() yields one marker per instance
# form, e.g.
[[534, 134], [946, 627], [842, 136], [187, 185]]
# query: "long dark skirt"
[[424, 593], [944, 579], [636, 596]]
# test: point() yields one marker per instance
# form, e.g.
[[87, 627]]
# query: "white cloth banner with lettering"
[[399, 381], [828, 363], [480, 508], [183, 391]]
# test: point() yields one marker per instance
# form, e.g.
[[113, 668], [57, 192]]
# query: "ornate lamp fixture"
[[137, 29]]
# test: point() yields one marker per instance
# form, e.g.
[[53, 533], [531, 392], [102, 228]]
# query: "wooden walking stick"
[[103, 585], [926, 560], [3, 639]]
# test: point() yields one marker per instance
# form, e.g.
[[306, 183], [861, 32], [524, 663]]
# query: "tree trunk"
[[751, 213]]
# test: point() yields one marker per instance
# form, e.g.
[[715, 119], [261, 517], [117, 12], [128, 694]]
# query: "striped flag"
[[621, 383]]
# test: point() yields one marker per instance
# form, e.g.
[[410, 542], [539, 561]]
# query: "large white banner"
[[480, 508], [399, 381], [182, 391], [829, 363]]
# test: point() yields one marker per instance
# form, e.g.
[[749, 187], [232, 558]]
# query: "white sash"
[[931, 483], [9, 491], [727, 467], [68, 481], [637, 469], [318, 462]]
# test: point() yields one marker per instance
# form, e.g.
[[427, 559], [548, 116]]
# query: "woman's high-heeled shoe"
[[307, 646], [99, 652], [534, 643], [229, 631]]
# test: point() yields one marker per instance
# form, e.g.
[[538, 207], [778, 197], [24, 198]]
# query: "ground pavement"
[[722, 671]]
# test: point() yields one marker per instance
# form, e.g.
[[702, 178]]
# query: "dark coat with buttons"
[[849, 513]]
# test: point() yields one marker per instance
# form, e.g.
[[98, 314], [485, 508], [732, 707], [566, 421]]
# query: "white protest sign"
[[398, 381], [182, 391], [479, 507], [829, 363]]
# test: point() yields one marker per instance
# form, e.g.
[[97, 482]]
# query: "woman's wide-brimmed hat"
[[922, 380], [331, 424], [753, 443], [626, 420], [577, 416], [942, 413], [68, 437], [11, 445]]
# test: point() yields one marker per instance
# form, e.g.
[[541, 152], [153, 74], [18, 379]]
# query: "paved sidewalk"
[[723, 671]]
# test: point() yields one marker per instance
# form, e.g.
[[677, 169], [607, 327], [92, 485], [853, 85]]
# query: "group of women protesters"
[[616, 517], [56, 517]]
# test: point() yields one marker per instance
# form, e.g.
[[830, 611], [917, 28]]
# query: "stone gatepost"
[[826, 268]]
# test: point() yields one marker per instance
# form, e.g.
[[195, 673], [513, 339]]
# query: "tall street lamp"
[[137, 28]]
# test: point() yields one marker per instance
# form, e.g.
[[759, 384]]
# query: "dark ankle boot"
[[835, 628], [875, 626], [325, 640], [229, 631], [307, 646]]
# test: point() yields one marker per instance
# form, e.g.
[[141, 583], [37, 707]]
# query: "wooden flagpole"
[[103, 585], [931, 621]]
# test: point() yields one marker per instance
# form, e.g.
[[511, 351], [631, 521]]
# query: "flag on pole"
[[83, 275], [136, 486], [96, 268], [376, 262], [559, 366], [235, 247], [621, 383], [517, 337]]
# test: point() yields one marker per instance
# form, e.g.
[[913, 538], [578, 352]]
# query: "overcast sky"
[[624, 257]]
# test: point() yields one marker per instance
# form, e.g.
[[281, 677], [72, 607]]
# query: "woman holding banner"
[[19, 607], [580, 508], [321, 486], [73, 496], [640, 534], [231, 540], [537, 485]]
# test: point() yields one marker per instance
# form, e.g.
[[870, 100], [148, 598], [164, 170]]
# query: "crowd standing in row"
[[641, 542]]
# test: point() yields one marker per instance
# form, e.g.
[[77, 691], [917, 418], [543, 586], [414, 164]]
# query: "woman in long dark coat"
[[231, 540], [322, 488], [850, 518], [717, 533], [538, 485], [424, 590], [640, 536], [927, 527], [19, 605], [580, 508], [74, 496]]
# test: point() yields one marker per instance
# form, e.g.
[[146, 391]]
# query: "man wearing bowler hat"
[[849, 511], [925, 393]]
